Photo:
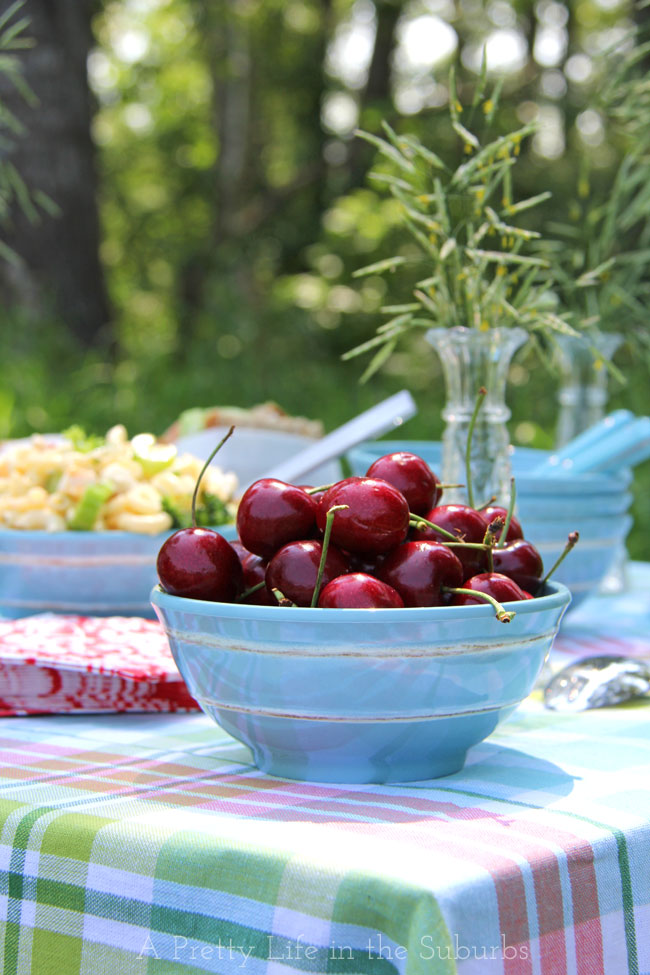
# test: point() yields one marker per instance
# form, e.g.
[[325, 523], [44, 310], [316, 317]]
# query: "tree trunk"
[[60, 270], [376, 99]]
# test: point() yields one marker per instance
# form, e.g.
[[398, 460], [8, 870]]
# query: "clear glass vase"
[[472, 359], [582, 394]]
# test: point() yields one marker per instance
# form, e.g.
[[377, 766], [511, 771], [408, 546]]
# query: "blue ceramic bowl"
[[89, 573], [344, 695], [549, 508]]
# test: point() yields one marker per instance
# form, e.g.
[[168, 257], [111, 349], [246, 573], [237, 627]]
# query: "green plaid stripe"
[[111, 881], [151, 845]]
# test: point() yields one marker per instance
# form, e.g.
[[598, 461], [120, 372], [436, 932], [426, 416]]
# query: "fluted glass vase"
[[472, 359], [582, 394]]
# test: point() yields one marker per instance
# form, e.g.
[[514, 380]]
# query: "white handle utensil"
[[379, 419]]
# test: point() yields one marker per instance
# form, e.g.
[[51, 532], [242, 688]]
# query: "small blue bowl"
[[549, 508], [87, 573], [345, 695]]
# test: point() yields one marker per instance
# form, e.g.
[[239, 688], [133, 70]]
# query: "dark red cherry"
[[463, 522], [272, 513], [498, 586], [521, 561], [375, 521], [412, 476], [419, 570], [200, 564], [368, 564], [294, 569], [359, 591], [254, 567], [309, 488], [242, 553], [492, 512]]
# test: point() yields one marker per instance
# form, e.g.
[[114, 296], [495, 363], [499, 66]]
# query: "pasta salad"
[[108, 484]]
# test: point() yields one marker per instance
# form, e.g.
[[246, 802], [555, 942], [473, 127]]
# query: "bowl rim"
[[597, 480], [559, 597], [34, 534]]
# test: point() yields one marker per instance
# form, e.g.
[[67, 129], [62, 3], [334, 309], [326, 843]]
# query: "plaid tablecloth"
[[150, 844]]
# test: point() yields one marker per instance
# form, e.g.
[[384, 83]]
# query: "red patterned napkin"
[[58, 664]]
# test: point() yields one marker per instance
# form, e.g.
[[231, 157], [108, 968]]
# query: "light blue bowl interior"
[[86, 573], [359, 695]]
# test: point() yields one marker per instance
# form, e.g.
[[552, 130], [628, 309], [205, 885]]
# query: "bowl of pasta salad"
[[82, 519]]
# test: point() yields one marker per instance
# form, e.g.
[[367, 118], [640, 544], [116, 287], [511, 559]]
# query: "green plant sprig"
[[483, 270]]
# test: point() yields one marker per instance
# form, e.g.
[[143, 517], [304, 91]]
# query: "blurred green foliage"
[[235, 205]]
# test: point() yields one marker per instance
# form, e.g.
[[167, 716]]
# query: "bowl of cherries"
[[361, 631]]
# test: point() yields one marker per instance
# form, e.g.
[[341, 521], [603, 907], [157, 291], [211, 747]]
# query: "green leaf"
[[532, 201], [468, 137], [397, 309], [386, 149], [507, 257], [399, 324], [594, 276], [379, 267], [377, 361], [426, 154], [10, 11], [391, 181]]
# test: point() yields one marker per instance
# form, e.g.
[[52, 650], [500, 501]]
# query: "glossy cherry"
[[254, 567], [358, 590], [500, 587], [466, 524], [492, 512], [200, 564], [521, 561], [375, 521], [412, 476], [294, 569], [242, 553], [419, 570], [272, 513]]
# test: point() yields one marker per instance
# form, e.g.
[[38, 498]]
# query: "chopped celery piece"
[[52, 482], [87, 511], [82, 441], [151, 455]]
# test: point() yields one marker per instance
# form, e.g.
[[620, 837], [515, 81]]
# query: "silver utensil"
[[597, 682]]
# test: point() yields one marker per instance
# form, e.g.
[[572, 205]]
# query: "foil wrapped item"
[[597, 682]]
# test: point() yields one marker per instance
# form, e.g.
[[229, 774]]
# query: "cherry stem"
[[417, 522], [571, 541], [249, 592], [317, 490], [489, 541], [204, 469], [481, 546], [482, 393], [445, 486], [326, 544], [487, 503], [281, 598], [503, 615], [503, 537]]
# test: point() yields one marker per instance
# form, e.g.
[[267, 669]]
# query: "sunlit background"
[[234, 203]]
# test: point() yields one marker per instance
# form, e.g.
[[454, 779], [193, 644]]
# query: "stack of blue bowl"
[[595, 505]]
